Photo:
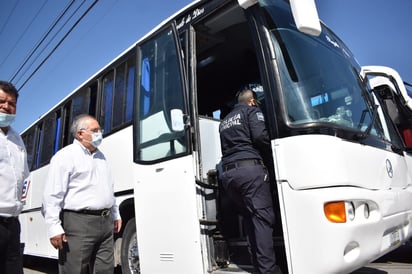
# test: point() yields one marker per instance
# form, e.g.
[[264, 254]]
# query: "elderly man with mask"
[[78, 202]]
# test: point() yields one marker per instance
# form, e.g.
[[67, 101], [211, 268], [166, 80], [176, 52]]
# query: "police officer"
[[245, 144]]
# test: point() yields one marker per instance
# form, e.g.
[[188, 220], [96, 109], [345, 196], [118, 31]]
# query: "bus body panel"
[[316, 245], [332, 161], [34, 235], [167, 221], [339, 177], [31, 219], [118, 149]]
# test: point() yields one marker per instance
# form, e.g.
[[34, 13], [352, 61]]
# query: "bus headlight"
[[350, 207], [366, 211]]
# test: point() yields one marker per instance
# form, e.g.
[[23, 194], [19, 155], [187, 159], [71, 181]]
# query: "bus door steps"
[[234, 269]]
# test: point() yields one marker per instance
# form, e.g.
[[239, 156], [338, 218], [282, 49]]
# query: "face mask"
[[6, 119], [96, 139]]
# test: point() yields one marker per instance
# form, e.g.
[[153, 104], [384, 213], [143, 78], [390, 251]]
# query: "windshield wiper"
[[365, 134]]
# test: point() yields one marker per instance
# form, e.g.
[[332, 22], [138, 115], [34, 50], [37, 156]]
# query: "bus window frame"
[[184, 92]]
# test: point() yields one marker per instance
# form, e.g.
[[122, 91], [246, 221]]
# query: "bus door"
[[387, 90], [167, 224], [223, 60]]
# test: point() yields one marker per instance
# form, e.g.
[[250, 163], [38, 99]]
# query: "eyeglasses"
[[94, 130]]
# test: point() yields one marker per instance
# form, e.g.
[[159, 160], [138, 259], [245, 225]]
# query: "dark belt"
[[7, 219], [97, 212], [242, 163]]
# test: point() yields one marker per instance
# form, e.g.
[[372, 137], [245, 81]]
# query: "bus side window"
[[107, 101], [81, 102], [145, 88], [160, 91], [123, 93], [39, 144], [57, 132], [67, 138], [29, 139], [47, 139], [118, 96], [131, 73]]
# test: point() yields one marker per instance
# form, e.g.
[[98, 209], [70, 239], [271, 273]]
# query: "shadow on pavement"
[[47, 266]]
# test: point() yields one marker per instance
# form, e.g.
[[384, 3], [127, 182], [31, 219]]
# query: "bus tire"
[[129, 250]]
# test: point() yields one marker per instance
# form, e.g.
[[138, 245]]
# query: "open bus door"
[[164, 181], [389, 88]]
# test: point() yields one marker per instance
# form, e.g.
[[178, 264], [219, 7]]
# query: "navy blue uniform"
[[245, 145]]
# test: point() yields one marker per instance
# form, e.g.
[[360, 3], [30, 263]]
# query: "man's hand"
[[117, 226], [57, 241]]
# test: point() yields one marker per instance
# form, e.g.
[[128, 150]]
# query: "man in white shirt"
[[13, 172], [78, 202]]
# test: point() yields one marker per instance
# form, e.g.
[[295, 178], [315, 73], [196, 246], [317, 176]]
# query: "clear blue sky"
[[377, 31]]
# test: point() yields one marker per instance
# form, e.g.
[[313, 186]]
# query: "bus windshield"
[[319, 76]]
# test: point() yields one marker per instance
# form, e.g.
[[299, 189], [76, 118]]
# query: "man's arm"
[[53, 195]]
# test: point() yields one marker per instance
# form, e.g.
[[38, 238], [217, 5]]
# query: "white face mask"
[[6, 119], [97, 139]]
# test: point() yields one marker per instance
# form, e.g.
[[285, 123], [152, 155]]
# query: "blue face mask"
[[6, 119]]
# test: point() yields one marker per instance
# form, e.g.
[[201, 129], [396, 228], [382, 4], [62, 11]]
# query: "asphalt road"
[[396, 262]]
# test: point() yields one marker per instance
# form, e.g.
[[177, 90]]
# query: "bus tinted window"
[[30, 142], [160, 91], [81, 102], [123, 93], [48, 139], [131, 72], [39, 145], [107, 93], [67, 138], [119, 96], [57, 134]]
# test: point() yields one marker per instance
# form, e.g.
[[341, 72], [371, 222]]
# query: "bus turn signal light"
[[335, 212]]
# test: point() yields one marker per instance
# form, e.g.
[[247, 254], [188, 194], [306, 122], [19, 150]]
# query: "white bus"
[[342, 189]]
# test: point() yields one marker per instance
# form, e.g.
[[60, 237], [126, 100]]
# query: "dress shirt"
[[77, 179], [13, 172]]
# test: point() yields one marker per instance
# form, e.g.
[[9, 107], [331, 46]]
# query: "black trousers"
[[89, 248], [249, 189], [11, 261]]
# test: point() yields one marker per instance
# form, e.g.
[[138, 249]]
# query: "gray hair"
[[78, 123]]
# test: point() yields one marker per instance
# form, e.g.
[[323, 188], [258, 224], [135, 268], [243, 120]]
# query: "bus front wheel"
[[129, 249]]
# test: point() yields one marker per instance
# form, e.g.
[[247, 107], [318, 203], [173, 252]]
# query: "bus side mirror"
[[177, 119], [306, 16]]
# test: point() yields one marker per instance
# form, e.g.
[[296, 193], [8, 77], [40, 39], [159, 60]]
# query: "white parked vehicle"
[[343, 186]]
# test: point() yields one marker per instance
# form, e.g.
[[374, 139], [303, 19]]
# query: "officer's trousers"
[[249, 189]]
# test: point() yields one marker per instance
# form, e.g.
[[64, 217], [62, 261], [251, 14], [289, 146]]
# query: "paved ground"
[[396, 262]]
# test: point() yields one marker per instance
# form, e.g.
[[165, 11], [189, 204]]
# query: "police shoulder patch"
[[260, 117]]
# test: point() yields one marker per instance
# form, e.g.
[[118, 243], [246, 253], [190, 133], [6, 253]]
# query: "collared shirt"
[[13, 172], [77, 179]]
